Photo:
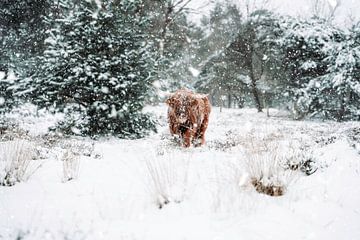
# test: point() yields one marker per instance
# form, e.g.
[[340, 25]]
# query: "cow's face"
[[179, 108], [181, 114]]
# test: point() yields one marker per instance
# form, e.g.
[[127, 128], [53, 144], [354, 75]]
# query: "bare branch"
[[324, 8], [333, 9], [181, 8], [178, 3]]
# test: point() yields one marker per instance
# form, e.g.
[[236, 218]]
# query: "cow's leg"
[[172, 127], [197, 137], [200, 138], [188, 136], [202, 130]]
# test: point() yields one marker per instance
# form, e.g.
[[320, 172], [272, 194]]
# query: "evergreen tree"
[[220, 27], [176, 41], [177, 59], [6, 95], [22, 33], [336, 93], [257, 53], [219, 75], [96, 68], [306, 45]]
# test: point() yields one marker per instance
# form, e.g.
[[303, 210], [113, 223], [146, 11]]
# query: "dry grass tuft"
[[71, 163], [166, 178], [12, 132], [265, 162], [15, 162]]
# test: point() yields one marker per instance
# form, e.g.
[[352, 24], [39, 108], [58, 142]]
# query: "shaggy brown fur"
[[188, 115]]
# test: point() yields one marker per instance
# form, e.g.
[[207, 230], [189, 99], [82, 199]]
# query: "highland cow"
[[188, 116]]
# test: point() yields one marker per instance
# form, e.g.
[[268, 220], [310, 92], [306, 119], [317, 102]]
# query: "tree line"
[[100, 63], [308, 66]]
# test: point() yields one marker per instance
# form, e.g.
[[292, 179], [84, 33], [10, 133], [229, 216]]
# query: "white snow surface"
[[122, 182]]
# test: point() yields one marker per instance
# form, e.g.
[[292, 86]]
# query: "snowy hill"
[[153, 189]]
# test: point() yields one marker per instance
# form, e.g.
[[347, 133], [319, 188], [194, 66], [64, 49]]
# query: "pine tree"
[[219, 75], [178, 55], [22, 33], [336, 94], [177, 40], [256, 51], [307, 45], [96, 68]]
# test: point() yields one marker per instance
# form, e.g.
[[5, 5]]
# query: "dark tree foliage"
[[176, 40], [22, 34], [303, 45], [22, 30], [309, 66], [309, 50], [97, 69], [335, 94], [220, 75], [249, 64]]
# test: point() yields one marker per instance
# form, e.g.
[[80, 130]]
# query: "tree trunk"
[[229, 100], [254, 90], [266, 104], [343, 103], [5, 69], [167, 21], [253, 79]]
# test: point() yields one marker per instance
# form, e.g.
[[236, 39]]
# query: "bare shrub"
[[326, 140], [12, 131], [79, 147], [300, 158], [353, 136], [265, 166], [15, 162], [166, 178], [71, 163], [234, 138], [168, 143], [50, 139], [267, 175]]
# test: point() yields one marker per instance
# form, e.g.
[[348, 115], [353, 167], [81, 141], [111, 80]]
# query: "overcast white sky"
[[293, 7]]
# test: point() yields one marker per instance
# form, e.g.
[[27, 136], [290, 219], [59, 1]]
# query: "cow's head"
[[180, 105]]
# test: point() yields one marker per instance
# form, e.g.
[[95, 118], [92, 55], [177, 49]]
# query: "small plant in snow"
[[79, 147], [168, 142], [324, 141], [11, 131], [166, 178], [15, 162], [71, 163], [300, 158], [264, 163], [354, 138], [51, 139], [232, 139], [267, 175]]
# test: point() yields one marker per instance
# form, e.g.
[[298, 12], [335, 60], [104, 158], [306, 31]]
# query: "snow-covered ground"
[[153, 189]]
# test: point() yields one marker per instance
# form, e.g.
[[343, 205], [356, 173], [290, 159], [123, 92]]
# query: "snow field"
[[153, 189]]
